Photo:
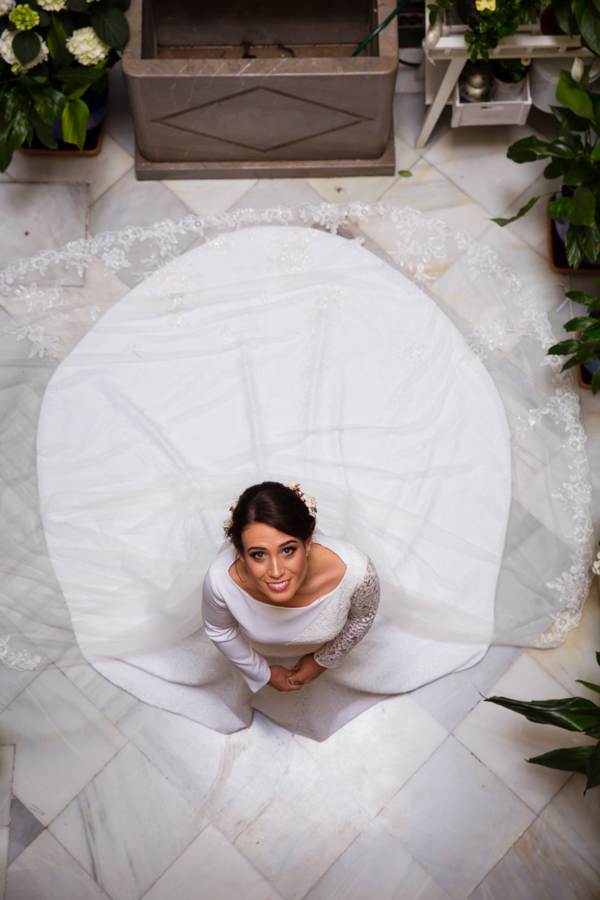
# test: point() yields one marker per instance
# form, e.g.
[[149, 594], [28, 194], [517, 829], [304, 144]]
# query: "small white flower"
[[52, 5], [577, 69], [6, 6], [596, 566], [86, 46], [525, 61], [293, 486], [227, 524], [233, 505], [8, 55]]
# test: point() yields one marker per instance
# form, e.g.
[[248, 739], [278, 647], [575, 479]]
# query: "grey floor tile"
[[24, 828], [449, 699], [119, 122], [14, 680], [45, 871], [576, 819], [41, 217], [540, 866]]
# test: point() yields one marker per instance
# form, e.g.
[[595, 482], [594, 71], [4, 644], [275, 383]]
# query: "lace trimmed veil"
[[51, 302]]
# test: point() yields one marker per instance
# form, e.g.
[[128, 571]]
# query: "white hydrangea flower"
[[8, 55], [51, 5], [86, 46], [6, 6]]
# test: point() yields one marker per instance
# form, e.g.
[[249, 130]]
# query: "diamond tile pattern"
[[291, 119]]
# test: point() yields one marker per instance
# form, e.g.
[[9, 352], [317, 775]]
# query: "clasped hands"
[[305, 671]]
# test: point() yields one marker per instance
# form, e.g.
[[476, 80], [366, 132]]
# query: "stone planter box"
[[203, 111]]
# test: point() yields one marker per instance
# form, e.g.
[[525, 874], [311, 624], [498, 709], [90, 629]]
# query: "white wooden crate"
[[492, 112]]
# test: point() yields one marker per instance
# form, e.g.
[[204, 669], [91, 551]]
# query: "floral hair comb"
[[309, 502]]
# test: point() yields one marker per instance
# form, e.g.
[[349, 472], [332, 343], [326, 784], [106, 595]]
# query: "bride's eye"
[[258, 555], [289, 550]]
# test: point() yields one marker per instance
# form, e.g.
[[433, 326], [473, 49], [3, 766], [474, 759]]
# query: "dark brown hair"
[[274, 504]]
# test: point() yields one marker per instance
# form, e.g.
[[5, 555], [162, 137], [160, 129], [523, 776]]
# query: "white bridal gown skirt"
[[280, 353]]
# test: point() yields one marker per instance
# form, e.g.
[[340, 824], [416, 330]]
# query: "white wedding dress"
[[274, 353]]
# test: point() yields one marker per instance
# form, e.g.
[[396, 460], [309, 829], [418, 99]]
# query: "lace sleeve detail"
[[363, 606]]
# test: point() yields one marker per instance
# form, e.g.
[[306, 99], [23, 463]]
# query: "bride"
[[288, 593]]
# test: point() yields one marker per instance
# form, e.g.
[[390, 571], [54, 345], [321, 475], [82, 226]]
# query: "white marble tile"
[[208, 196], [128, 825], [475, 160], [376, 866], [14, 681], [127, 712], [576, 819], [37, 217], [576, 658], [119, 122], [99, 172], [62, 740], [504, 740], [540, 865], [7, 759], [3, 857], [269, 192], [456, 818], [449, 699], [225, 874], [45, 871], [231, 777], [409, 114], [368, 189], [24, 828], [324, 804]]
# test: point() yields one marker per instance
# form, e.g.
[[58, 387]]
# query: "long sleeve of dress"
[[224, 632], [363, 607]]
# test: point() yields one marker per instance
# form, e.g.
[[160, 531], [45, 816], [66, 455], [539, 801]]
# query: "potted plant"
[[54, 55], [487, 21], [508, 76], [572, 714], [584, 348], [580, 17], [575, 156]]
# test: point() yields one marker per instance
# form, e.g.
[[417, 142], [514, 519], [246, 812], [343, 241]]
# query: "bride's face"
[[276, 562]]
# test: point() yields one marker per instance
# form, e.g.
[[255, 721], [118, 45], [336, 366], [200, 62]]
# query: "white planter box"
[[493, 112]]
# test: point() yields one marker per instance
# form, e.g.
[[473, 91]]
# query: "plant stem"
[[380, 28]]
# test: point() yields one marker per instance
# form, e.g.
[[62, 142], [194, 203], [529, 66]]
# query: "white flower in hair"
[[309, 502]]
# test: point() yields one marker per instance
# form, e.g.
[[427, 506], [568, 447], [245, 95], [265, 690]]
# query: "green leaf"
[[556, 168], [580, 209], [79, 76], [573, 249], [568, 759], [589, 25], [589, 685], [573, 97], [588, 351], [46, 105], [75, 117], [80, 6], [7, 148], [596, 381], [567, 117], [595, 154], [572, 713], [589, 241], [44, 132], [111, 26], [524, 209], [584, 299], [26, 46], [581, 173], [580, 323], [528, 149], [564, 18], [405, 173], [563, 147], [57, 38], [564, 348]]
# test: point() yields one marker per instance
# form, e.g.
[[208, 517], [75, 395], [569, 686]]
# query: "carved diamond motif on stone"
[[261, 119]]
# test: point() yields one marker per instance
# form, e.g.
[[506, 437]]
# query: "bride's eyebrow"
[[281, 546]]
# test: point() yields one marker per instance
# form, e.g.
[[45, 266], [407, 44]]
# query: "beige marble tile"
[[475, 160], [376, 866], [504, 740], [577, 819], [576, 658], [7, 760], [62, 740], [100, 172], [367, 189], [224, 874], [205, 197], [325, 803], [540, 865], [533, 227], [45, 871], [128, 825], [409, 115], [456, 818]]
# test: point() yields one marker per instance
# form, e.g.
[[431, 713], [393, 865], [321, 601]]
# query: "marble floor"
[[425, 796]]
